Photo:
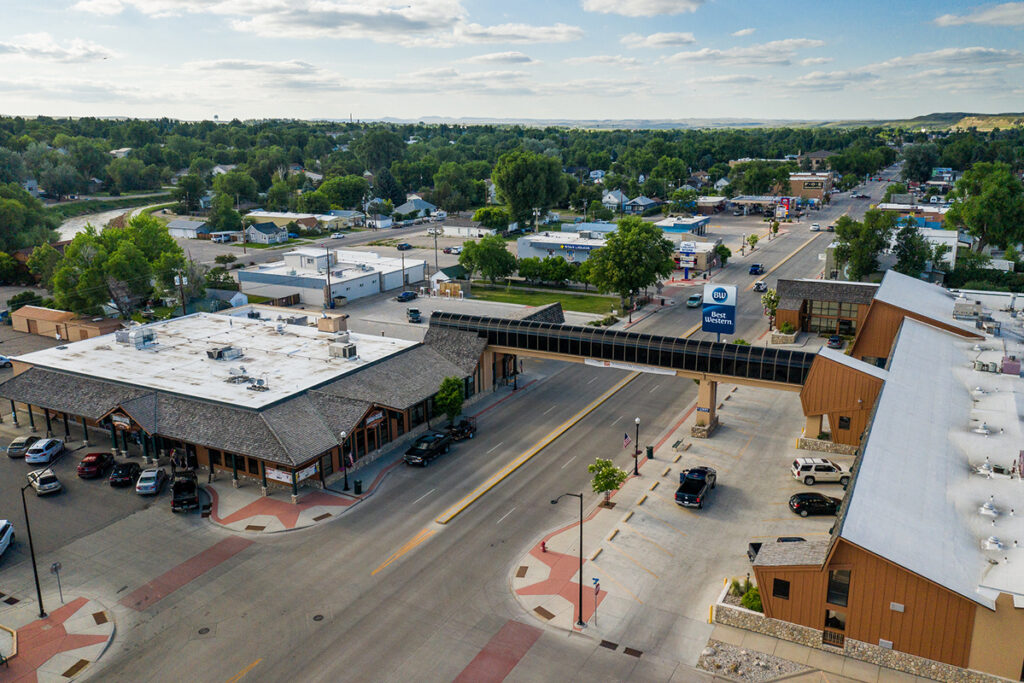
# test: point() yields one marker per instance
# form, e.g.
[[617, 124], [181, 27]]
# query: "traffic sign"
[[719, 312]]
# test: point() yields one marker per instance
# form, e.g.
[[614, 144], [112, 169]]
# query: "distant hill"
[[939, 121]]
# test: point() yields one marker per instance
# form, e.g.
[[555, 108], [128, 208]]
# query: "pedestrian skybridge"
[[702, 360]]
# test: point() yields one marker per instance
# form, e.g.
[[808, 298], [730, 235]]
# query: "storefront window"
[[215, 458], [254, 466], [838, 587]]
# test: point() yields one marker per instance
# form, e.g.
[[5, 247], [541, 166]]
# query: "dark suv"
[[427, 447], [805, 504]]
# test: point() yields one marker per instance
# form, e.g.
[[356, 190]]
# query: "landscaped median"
[[582, 303]]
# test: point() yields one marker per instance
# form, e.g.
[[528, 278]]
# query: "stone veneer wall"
[[825, 446], [779, 338], [865, 652]]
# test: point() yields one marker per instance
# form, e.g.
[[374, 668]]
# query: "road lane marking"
[[506, 515], [690, 332], [241, 674], [616, 420], [412, 543], [496, 478], [567, 462], [779, 264], [656, 387], [423, 496], [549, 410], [493, 447], [592, 380]]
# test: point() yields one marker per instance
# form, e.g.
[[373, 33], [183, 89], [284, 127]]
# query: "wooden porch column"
[[85, 433]]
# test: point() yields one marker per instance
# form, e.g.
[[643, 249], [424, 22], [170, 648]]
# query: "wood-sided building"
[[823, 307]]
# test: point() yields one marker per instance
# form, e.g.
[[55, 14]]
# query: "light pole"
[[344, 463], [636, 451], [579, 621], [32, 552]]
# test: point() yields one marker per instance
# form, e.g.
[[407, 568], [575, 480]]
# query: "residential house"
[[698, 178], [120, 153], [221, 169], [614, 200], [31, 186], [368, 177], [188, 229], [206, 201], [265, 233], [639, 205], [347, 219], [492, 191], [417, 207], [596, 176], [721, 184], [816, 161], [379, 221], [178, 175]]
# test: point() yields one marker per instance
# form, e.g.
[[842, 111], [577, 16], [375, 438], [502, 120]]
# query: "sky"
[[525, 59]]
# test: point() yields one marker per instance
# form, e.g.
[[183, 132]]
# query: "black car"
[[405, 296], [404, 246], [805, 504], [124, 474], [427, 447]]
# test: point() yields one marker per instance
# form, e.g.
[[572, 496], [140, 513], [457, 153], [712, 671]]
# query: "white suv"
[[811, 470]]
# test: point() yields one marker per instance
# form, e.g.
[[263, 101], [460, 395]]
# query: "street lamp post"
[[636, 451], [579, 621], [32, 552], [344, 463]]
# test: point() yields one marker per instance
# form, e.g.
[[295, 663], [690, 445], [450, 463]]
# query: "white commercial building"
[[318, 275], [572, 246], [466, 231]]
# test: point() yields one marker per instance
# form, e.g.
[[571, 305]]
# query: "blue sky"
[[573, 59]]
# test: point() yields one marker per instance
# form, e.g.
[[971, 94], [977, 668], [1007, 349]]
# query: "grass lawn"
[[280, 245], [583, 303]]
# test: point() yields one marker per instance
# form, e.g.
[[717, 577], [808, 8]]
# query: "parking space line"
[[649, 540], [631, 559], [669, 525], [611, 578]]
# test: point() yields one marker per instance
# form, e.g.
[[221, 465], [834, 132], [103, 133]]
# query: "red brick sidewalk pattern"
[[501, 654], [44, 638], [283, 510], [159, 588]]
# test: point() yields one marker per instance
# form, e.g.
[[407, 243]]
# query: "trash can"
[[359, 486], [650, 452]]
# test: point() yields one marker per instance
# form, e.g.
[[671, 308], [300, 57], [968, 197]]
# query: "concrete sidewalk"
[[61, 646]]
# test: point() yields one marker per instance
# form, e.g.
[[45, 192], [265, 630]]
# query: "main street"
[[429, 612]]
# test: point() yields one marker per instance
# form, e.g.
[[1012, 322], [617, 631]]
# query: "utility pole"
[[403, 271], [181, 282]]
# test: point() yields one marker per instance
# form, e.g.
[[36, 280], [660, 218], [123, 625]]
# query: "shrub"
[[825, 436], [752, 600], [741, 342], [740, 587], [787, 328]]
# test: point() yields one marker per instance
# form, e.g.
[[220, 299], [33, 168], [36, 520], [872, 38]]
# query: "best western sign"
[[719, 312]]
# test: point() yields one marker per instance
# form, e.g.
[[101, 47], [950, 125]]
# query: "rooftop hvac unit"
[[141, 337], [342, 350], [121, 336], [981, 365], [254, 315], [341, 337], [224, 353]]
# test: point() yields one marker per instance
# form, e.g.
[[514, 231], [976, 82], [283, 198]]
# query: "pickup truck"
[[184, 491], [694, 485], [413, 315], [427, 447]]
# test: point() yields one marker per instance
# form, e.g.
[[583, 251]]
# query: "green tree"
[[9, 268], [223, 217], [894, 188], [912, 251], [345, 191], [526, 180], [454, 188], [386, 187], [314, 202], [599, 212], [492, 217], [128, 278], [635, 256], [449, 397], [684, 200], [752, 600], [860, 243], [919, 160], [278, 196], [989, 204], [225, 259], [607, 477], [489, 256], [12, 168], [188, 191], [42, 263], [770, 302], [26, 298], [238, 185], [126, 174], [723, 252], [23, 220], [378, 148], [752, 240], [530, 269]]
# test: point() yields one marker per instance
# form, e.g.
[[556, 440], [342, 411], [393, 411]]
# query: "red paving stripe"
[[501, 654], [159, 588]]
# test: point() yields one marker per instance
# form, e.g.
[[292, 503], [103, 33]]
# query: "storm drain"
[[544, 614], [318, 617], [75, 668], [633, 653], [203, 631], [253, 527], [11, 601], [100, 617], [322, 517], [609, 644], [521, 572]]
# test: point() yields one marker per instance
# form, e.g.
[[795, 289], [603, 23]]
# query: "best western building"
[[924, 569], [257, 391], [319, 276]]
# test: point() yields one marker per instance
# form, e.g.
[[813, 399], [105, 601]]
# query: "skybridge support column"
[[707, 410]]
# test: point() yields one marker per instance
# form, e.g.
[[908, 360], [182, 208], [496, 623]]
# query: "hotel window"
[[838, 587], [844, 422], [780, 589]]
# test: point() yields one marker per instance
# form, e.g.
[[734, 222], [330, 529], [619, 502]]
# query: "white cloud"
[[288, 67], [725, 79], [43, 46], [1006, 14], [656, 40], [831, 80], [501, 58], [642, 8], [610, 60], [977, 56], [744, 32], [776, 52], [812, 61], [437, 23]]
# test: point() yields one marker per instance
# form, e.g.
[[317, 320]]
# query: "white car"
[[811, 470], [5, 362], [815, 227], [456, 250], [6, 535], [337, 235], [44, 451], [44, 481]]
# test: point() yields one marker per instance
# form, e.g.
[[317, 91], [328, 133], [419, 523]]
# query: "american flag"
[[626, 441]]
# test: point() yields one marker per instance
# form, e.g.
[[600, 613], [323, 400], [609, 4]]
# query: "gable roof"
[[43, 313], [416, 204], [792, 293], [920, 297], [186, 224], [267, 228]]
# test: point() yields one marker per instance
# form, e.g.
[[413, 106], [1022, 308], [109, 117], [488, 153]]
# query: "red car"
[[95, 465]]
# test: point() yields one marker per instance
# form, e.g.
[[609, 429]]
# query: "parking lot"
[[82, 507]]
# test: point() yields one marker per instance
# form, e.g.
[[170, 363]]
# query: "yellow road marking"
[[496, 478], [779, 264], [241, 674], [412, 543], [630, 558], [691, 331]]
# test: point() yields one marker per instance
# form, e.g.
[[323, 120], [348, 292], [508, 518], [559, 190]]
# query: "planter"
[[780, 338]]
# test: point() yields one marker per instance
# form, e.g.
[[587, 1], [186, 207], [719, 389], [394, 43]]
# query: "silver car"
[[18, 447], [151, 481], [44, 481]]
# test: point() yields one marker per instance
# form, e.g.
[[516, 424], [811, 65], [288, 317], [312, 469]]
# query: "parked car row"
[[437, 442]]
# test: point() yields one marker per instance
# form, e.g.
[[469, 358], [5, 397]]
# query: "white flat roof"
[[564, 238], [260, 213], [291, 361], [346, 265]]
